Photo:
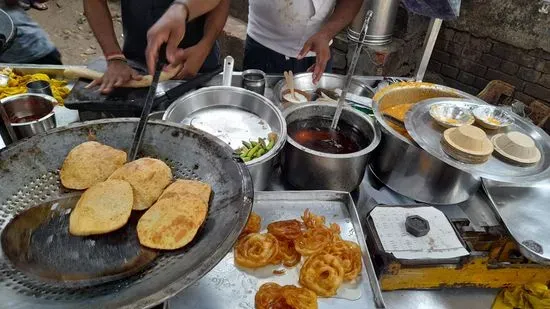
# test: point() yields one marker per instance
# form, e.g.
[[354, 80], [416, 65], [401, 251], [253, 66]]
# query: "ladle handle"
[[228, 71]]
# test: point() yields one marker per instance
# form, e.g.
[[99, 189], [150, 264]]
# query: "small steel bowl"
[[450, 116], [491, 117], [30, 114]]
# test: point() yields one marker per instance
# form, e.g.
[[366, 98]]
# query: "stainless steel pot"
[[30, 114], [229, 109], [304, 82], [309, 169], [408, 169]]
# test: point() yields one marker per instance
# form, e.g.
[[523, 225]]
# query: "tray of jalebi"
[[302, 250]]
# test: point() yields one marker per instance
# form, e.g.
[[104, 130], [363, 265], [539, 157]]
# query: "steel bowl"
[[449, 115], [491, 117], [304, 82], [233, 115], [405, 167], [30, 114], [314, 170]]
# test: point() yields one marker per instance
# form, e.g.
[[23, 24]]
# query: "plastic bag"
[[444, 9]]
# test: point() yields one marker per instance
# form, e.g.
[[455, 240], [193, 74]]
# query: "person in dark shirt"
[[198, 50], [31, 44]]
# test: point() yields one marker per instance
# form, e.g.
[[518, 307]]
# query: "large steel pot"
[[309, 169], [235, 101], [404, 166]]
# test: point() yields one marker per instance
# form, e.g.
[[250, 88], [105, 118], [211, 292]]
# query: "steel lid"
[[427, 134]]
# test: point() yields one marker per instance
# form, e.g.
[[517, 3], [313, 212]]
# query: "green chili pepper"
[[270, 145], [261, 141], [253, 151], [260, 153], [247, 144], [246, 159]]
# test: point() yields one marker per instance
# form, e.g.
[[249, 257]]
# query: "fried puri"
[[172, 222], [103, 208], [90, 163], [192, 187], [148, 178]]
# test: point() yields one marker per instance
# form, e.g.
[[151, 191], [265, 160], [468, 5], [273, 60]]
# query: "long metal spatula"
[[140, 131]]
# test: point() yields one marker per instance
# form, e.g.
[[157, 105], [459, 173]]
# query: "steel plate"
[[427, 133], [29, 177], [524, 211]]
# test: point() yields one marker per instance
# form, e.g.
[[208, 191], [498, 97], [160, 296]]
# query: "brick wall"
[[468, 63]]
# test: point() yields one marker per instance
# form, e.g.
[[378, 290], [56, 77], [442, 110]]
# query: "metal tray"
[[227, 287], [427, 133], [524, 211]]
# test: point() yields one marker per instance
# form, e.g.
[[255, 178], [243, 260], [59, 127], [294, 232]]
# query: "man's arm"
[[118, 71], [194, 56], [343, 14], [215, 21], [99, 17], [170, 28]]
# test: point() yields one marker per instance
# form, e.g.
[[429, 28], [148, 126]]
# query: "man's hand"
[[192, 59], [319, 44], [118, 73], [169, 29]]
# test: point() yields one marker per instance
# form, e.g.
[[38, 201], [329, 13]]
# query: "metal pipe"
[[429, 43], [381, 27]]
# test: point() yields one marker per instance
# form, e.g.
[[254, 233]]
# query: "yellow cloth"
[[533, 295], [17, 85]]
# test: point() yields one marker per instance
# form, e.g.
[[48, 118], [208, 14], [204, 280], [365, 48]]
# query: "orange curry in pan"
[[399, 111]]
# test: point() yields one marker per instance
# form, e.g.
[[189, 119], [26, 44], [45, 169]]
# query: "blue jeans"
[[257, 56]]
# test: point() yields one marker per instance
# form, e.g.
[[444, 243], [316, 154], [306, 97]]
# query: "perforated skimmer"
[[29, 177]]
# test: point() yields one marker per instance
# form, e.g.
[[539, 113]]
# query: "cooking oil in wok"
[[315, 133]]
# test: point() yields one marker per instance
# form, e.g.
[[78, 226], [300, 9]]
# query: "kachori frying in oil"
[[172, 222], [103, 208], [148, 178], [90, 163]]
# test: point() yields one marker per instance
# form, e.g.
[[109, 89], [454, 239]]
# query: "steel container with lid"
[[405, 167]]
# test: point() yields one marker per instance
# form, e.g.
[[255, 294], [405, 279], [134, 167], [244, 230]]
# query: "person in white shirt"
[[295, 34]]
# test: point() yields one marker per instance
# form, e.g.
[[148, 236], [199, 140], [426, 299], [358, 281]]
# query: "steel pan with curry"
[[405, 167]]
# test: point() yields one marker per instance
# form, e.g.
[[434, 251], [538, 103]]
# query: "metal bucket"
[[380, 30], [405, 167], [314, 170]]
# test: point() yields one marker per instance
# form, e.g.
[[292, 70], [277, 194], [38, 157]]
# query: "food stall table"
[[369, 194]]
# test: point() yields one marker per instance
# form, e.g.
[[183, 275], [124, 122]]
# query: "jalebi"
[[270, 296], [313, 240], [253, 224], [312, 220], [322, 273], [288, 229], [350, 255], [256, 250], [299, 298], [273, 296], [288, 254]]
